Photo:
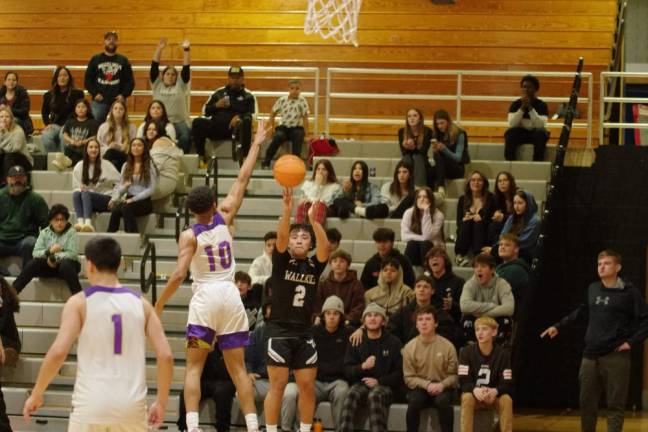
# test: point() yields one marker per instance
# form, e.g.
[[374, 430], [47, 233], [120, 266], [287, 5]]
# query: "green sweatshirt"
[[66, 239], [22, 215]]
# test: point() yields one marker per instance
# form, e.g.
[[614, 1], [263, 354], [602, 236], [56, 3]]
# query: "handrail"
[[604, 98], [149, 281], [212, 173]]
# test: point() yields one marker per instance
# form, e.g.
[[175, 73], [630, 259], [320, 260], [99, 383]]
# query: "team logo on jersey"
[[508, 374], [463, 370], [605, 300], [300, 277], [385, 353]]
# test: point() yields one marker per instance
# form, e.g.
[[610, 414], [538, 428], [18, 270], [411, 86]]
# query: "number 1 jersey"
[[213, 260]]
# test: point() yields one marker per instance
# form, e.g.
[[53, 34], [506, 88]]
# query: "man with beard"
[[108, 77]]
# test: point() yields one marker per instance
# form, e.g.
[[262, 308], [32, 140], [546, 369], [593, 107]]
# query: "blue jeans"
[[22, 248], [99, 110], [183, 135], [52, 138], [87, 202]]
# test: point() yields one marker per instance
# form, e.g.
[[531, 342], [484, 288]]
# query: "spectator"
[[157, 112], [524, 223], [395, 196], [342, 282], [527, 119], [9, 336], [108, 78], [384, 240], [58, 106], [486, 377], [261, 268], [391, 293], [13, 144], [55, 253], [486, 294], [322, 187], [77, 132], [293, 110], [513, 270], [414, 140], [450, 151], [375, 370], [228, 115], [173, 92], [422, 227], [251, 299], [166, 157], [331, 339], [505, 189], [430, 372], [115, 134], [474, 212], [334, 236], [448, 285], [23, 213], [16, 98], [93, 181], [138, 182], [358, 192]]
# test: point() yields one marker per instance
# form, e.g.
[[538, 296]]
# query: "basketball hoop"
[[337, 19]]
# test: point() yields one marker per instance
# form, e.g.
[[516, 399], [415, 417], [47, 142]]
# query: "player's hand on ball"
[[155, 415], [552, 332], [287, 198], [33, 402]]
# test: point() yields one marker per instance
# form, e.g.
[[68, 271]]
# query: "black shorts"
[[292, 352]]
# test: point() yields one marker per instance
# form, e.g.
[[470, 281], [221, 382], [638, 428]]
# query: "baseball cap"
[[235, 70], [16, 170], [333, 303]]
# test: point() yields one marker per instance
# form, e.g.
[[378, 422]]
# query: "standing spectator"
[[322, 187], [450, 151], [527, 118], [138, 181], [448, 285], [55, 253], [251, 299], [422, 227], [474, 212], [503, 194], [293, 109], [166, 156], [514, 270], [391, 293], [115, 134], [358, 192], [23, 213], [414, 140], [173, 92], [157, 112], [486, 377], [77, 132], [108, 77], [16, 98], [334, 236], [93, 181], [58, 106], [524, 223], [13, 144], [9, 336], [261, 268], [331, 338], [375, 370], [395, 196], [430, 372], [228, 115], [384, 240]]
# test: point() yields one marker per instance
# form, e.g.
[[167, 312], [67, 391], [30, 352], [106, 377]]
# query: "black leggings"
[[445, 168], [381, 211], [67, 269], [282, 134], [130, 212], [416, 251], [471, 237]]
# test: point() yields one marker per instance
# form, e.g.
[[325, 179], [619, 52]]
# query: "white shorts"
[[75, 426], [216, 313]]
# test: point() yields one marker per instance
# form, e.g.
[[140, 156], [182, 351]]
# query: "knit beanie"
[[374, 307], [333, 303]]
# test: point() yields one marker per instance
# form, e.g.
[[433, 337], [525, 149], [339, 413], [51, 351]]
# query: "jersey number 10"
[[224, 254]]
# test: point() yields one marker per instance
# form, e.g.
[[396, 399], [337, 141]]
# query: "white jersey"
[[110, 385], [213, 260]]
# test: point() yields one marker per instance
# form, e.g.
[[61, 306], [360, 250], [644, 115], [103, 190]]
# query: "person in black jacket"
[[448, 286], [16, 98], [58, 106], [108, 77], [415, 140], [375, 367], [617, 320], [384, 239]]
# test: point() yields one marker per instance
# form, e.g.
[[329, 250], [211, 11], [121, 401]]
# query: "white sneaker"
[[87, 226], [61, 161], [78, 226]]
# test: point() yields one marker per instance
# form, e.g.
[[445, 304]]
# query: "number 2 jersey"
[[213, 260], [478, 370], [293, 286]]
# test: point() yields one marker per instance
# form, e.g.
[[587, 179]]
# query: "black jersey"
[[478, 370], [293, 287]]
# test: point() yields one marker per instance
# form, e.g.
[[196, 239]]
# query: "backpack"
[[321, 146]]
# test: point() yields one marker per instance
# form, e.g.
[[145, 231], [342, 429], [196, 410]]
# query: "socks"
[[303, 427], [192, 420], [271, 428], [252, 422], [360, 211]]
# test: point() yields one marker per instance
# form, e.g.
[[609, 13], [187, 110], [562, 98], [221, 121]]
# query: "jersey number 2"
[[483, 377], [117, 322], [224, 253], [300, 294]]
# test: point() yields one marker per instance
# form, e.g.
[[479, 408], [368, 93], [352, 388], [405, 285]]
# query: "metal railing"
[[149, 281], [605, 99]]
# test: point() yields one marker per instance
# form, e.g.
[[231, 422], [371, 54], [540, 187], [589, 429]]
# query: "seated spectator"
[[384, 240], [375, 371], [503, 194], [342, 282], [358, 193], [13, 144], [58, 106], [166, 156], [334, 237], [513, 270], [293, 109], [261, 268], [391, 293], [115, 134], [251, 299], [331, 338], [156, 112], [228, 115], [23, 213], [9, 337], [486, 294], [414, 140], [430, 372], [215, 384], [524, 223], [422, 227], [448, 286], [396, 196], [16, 98], [527, 119], [322, 187], [474, 212], [78, 130], [132, 198], [55, 253], [450, 151], [486, 377], [173, 92]]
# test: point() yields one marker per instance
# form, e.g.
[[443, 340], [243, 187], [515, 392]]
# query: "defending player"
[[216, 311], [294, 284], [112, 324]]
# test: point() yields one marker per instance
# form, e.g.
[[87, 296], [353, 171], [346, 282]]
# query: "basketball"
[[289, 171]]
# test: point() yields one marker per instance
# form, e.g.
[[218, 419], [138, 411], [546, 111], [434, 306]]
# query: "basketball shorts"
[[292, 352], [76, 426]]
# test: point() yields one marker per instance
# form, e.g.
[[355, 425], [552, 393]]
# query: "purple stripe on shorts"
[[234, 340], [200, 228], [120, 290], [202, 333]]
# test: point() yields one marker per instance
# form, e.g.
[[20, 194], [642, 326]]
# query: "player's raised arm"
[[283, 230], [322, 251], [187, 248], [230, 205]]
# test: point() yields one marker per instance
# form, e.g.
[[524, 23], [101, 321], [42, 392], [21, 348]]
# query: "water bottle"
[[317, 425]]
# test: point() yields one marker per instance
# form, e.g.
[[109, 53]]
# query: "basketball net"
[[336, 19]]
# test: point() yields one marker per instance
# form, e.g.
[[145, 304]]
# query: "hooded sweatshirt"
[[14, 141], [516, 273], [388, 369], [392, 297], [371, 269], [348, 289], [528, 235], [21, 215], [493, 299], [67, 239], [330, 350]]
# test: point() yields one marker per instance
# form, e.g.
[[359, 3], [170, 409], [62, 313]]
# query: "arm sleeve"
[[515, 118], [40, 247], [357, 303], [154, 72], [457, 155], [412, 381], [433, 224], [77, 176], [408, 271], [185, 73], [256, 272], [45, 108], [128, 81], [406, 232], [374, 191], [529, 235], [16, 141], [366, 277], [401, 138]]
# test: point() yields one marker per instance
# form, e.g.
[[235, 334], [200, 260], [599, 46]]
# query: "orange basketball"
[[289, 171]]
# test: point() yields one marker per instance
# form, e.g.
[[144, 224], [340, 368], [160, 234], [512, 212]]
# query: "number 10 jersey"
[[213, 260]]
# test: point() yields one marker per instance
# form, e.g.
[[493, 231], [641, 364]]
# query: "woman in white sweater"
[[93, 181], [322, 187], [166, 157], [13, 144], [422, 227]]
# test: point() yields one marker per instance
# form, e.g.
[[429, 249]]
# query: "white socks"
[[192, 420], [360, 211], [303, 427], [271, 428], [252, 422]]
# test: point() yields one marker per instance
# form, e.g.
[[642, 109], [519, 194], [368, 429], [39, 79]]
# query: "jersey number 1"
[[224, 253], [117, 322]]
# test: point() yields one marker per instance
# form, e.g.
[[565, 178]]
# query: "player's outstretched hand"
[[155, 415], [287, 198], [552, 332], [32, 403], [313, 211], [261, 133]]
